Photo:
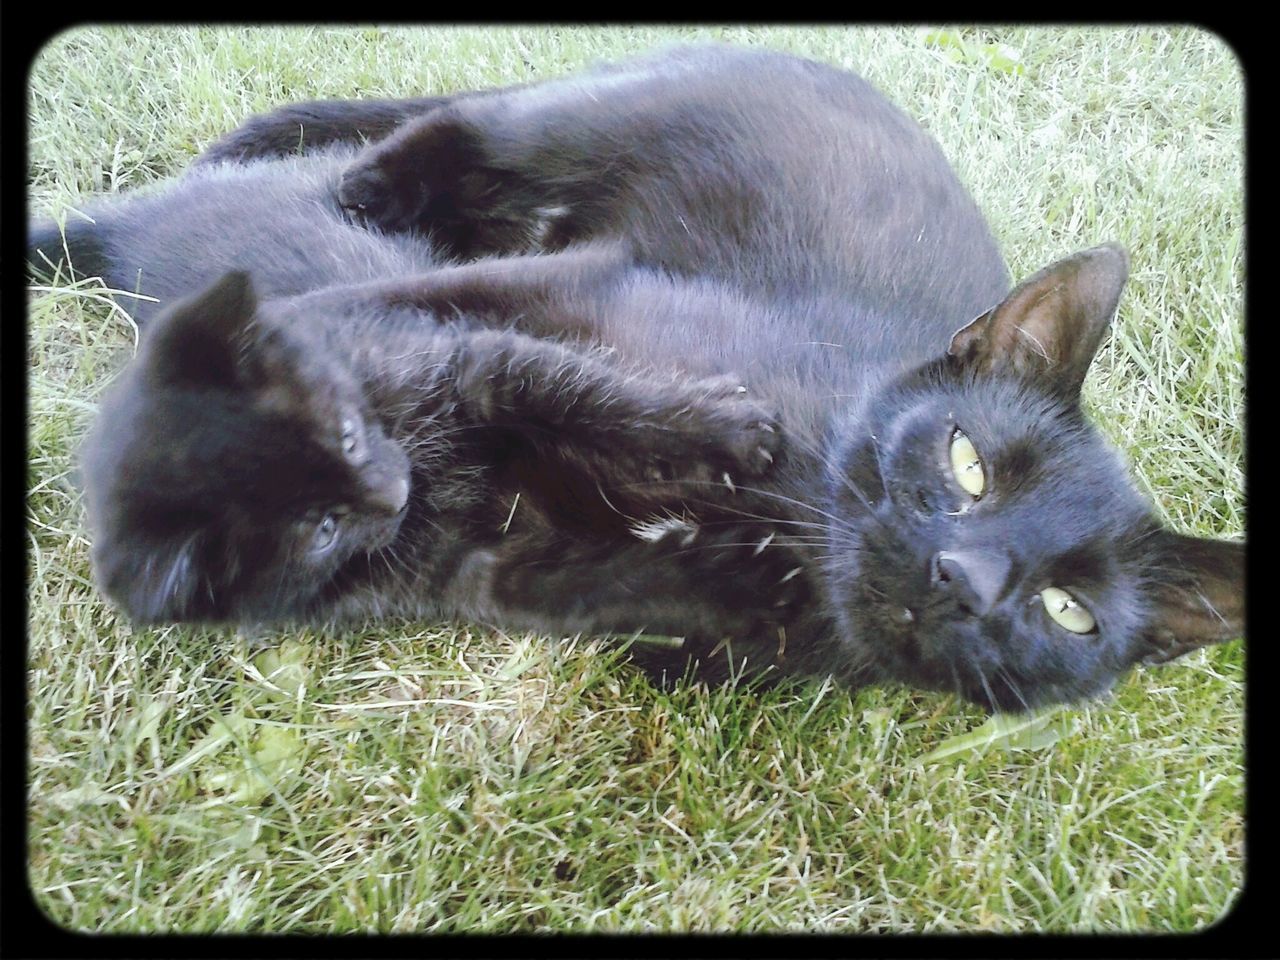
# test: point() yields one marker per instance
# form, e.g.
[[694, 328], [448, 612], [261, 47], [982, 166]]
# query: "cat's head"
[[235, 466], [992, 544]]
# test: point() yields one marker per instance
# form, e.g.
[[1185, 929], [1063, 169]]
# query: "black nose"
[[975, 579]]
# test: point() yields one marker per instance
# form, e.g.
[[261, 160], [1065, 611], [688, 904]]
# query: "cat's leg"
[[699, 429], [519, 365], [301, 127], [718, 602], [513, 366], [490, 171], [677, 559], [560, 296], [533, 168]]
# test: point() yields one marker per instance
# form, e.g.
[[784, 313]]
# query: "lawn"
[[432, 777]]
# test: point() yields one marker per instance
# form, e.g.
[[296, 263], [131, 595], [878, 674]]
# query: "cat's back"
[[791, 177], [794, 226]]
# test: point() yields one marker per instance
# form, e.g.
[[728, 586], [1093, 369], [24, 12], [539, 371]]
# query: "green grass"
[[415, 776]]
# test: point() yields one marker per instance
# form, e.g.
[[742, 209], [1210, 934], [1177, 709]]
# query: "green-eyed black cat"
[[941, 507]]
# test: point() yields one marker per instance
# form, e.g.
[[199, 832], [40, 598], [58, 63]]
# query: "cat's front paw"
[[416, 178], [718, 439], [758, 575], [743, 434], [775, 575], [752, 444], [374, 193]]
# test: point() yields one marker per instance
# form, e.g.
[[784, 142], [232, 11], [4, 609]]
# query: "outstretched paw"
[[763, 579], [744, 435], [752, 444], [718, 439], [428, 173]]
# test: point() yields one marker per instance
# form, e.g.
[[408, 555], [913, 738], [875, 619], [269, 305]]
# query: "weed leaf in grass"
[[273, 762], [90, 794], [1035, 731], [995, 56], [285, 667], [223, 731], [267, 761]]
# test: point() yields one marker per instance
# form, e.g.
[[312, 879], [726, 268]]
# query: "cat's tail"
[[78, 247]]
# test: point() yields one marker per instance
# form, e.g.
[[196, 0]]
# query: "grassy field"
[[426, 777]]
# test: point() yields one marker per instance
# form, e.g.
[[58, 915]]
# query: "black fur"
[[713, 211]]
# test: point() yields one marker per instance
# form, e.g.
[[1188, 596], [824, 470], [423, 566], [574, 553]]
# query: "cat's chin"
[[890, 642]]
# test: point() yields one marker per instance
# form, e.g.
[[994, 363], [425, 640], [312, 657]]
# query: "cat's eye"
[[326, 533], [1067, 611], [350, 436], [967, 465]]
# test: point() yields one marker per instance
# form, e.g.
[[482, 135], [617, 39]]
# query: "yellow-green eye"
[[1067, 611], [967, 465]]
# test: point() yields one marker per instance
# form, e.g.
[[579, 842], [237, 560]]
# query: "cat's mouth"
[[386, 528]]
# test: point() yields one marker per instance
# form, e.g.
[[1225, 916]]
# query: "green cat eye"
[[967, 465], [1067, 611]]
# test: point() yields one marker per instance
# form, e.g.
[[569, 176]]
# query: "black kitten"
[[953, 520], [345, 453], [325, 456]]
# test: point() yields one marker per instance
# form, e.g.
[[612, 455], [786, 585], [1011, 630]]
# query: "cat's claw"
[[752, 447], [746, 431]]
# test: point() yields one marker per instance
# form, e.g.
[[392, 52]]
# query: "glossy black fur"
[[715, 211]]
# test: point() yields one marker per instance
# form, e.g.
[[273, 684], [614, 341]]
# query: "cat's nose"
[[975, 578], [387, 494]]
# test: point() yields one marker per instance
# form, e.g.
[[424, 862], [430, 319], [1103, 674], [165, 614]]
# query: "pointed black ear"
[[1197, 596], [156, 584], [1050, 326], [197, 340]]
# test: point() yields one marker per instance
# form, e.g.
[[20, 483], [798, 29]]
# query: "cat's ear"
[[156, 585], [1196, 593], [197, 340], [1051, 325]]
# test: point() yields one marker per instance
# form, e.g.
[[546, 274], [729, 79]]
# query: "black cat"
[[955, 522]]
